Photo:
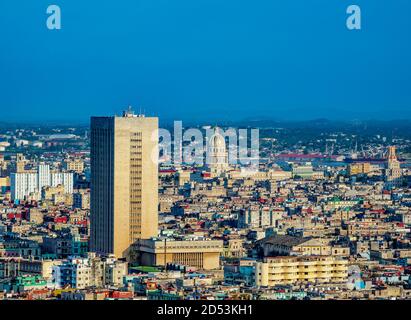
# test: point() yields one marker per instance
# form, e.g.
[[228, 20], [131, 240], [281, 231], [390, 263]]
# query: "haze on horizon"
[[205, 60]]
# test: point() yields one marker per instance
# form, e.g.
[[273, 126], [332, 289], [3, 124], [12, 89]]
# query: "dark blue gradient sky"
[[205, 59]]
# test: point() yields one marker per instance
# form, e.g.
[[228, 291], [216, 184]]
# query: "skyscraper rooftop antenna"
[[141, 113], [129, 112]]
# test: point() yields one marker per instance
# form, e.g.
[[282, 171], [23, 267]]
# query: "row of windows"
[[306, 273]]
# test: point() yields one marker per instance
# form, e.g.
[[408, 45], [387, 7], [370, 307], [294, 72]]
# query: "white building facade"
[[27, 184]]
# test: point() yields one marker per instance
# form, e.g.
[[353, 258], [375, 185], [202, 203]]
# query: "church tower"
[[217, 153]]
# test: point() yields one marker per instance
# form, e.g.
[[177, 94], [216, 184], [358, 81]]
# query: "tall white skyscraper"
[[44, 179], [22, 185]]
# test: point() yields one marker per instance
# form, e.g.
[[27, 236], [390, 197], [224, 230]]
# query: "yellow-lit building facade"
[[201, 254], [76, 165], [4, 182], [124, 182], [292, 270], [359, 168]]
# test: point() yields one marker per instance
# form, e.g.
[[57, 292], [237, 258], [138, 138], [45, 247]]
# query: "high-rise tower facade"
[[393, 174], [124, 182]]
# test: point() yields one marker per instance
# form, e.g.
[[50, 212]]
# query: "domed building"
[[217, 153]]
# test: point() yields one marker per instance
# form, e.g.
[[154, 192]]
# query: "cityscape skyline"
[[320, 224], [208, 150], [217, 121]]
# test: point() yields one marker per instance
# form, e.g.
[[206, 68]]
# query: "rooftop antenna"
[[129, 112]]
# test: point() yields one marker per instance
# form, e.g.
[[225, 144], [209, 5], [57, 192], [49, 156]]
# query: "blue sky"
[[205, 59]]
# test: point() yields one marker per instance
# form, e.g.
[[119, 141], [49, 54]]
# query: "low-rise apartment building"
[[292, 270]]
